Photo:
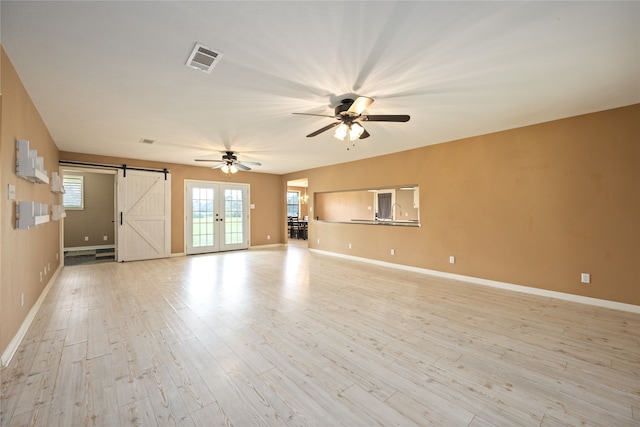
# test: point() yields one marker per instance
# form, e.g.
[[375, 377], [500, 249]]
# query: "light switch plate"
[[11, 193]]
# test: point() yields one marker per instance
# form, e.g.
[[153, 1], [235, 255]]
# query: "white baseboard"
[[11, 349], [274, 245], [177, 254], [89, 248], [493, 283]]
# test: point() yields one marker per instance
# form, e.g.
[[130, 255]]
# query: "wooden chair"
[[302, 230], [294, 231]]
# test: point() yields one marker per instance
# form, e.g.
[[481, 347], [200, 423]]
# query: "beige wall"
[[405, 209], [344, 206], [534, 206], [266, 193], [96, 219], [26, 254]]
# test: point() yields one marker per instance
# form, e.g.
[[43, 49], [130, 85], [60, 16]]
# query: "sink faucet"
[[397, 205]]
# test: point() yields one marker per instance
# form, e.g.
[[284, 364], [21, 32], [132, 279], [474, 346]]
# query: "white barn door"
[[144, 215]]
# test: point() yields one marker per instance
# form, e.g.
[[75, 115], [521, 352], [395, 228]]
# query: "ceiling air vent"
[[147, 141], [203, 58]]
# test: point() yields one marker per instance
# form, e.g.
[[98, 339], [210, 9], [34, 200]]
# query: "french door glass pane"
[[202, 216], [233, 214]]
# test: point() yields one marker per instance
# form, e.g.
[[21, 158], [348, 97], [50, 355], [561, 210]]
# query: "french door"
[[217, 216], [144, 215]]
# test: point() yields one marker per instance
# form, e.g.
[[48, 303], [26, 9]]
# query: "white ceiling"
[[104, 75]]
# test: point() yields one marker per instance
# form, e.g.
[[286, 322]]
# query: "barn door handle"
[[120, 218]]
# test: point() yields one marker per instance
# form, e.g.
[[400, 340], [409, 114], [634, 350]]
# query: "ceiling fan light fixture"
[[355, 130], [233, 168], [225, 169], [347, 113], [341, 131]]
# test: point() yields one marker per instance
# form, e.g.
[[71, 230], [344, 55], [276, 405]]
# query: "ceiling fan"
[[349, 113], [229, 163]]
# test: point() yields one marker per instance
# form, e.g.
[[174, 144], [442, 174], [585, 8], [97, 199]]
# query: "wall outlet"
[[22, 299], [585, 278], [86, 238], [41, 276], [57, 256], [48, 267], [318, 241], [268, 236], [105, 238], [393, 251], [452, 259], [349, 245]]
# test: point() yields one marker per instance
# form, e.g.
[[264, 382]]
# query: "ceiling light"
[[355, 130], [341, 131], [352, 130], [225, 168], [233, 168]]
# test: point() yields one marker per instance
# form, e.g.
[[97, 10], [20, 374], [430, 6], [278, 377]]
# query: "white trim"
[[88, 248], [272, 245], [11, 349], [177, 254], [493, 283]]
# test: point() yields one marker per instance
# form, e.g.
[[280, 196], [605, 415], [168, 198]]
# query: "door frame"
[[69, 170]]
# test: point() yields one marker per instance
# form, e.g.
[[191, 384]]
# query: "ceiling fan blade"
[[364, 135], [206, 160], [319, 131], [386, 118], [360, 104], [309, 114], [218, 166], [243, 167], [250, 163]]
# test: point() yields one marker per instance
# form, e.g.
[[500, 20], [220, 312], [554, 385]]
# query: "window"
[[73, 197], [384, 206], [293, 203]]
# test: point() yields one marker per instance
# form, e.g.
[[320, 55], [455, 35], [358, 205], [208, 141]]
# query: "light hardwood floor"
[[288, 337]]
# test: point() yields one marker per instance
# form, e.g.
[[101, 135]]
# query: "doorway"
[[88, 225], [114, 213], [217, 217], [298, 211]]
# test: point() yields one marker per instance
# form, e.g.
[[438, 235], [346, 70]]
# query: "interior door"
[[144, 215], [217, 218]]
